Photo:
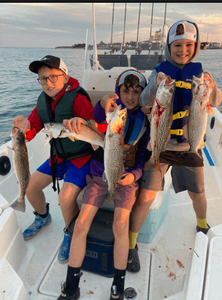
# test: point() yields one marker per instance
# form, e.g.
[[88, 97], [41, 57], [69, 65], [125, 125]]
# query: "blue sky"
[[49, 25]]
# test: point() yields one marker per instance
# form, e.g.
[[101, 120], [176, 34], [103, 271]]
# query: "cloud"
[[53, 24], [52, 30]]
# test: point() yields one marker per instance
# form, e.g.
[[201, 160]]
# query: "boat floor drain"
[[130, 293]]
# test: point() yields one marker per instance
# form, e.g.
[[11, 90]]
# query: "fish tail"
[[113, 195], [151, 163], [19, 205]]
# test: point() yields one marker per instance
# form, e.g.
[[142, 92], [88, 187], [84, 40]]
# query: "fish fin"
[[104, 177], [185, 131], [18, 205], [210, 110], [71, 138], [149, 146], [95, 147], [47, 139], [201, 145]]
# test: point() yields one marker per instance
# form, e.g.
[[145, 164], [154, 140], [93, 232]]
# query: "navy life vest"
[[63, 148], [182, 96]]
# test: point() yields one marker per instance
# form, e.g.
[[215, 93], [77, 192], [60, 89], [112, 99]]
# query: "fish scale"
[[162, 118], [198, 113], [113, 152], [89, 133]]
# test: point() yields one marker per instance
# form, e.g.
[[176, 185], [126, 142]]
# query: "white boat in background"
[[176, 262]]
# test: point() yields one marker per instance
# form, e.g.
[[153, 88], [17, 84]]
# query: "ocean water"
[[19, 88]]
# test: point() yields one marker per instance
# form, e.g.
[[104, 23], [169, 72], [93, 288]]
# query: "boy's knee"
[[66, 202], [120, 228], [32, 188], [81, 227], [146, 197]]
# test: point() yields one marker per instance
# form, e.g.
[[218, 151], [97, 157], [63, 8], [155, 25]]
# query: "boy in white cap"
[[181, 49], [61, 98]]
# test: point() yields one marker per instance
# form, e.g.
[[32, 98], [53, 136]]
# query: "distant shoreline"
[[69, 47]]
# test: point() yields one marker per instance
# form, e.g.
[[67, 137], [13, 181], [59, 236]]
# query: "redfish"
[[161, 120], [198, 112], [113, 152], [21, 165]]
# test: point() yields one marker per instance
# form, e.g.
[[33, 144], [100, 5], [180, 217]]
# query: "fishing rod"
[[123, 44], [164, 24], [137, 48], [111, 43], [95, 56], [151, 27]]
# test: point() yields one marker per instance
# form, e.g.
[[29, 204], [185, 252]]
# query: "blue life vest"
[[182, 96]]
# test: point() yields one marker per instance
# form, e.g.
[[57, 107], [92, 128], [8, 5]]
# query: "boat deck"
[[164, 262]]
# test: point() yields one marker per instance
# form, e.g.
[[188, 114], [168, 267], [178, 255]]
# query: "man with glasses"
[[62, 98]]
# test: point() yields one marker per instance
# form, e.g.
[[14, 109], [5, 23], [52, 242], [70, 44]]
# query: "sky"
[[48, 25]]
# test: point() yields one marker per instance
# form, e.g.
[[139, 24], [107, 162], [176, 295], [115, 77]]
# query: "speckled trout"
[[198, 112], [89, 133], [161, 120], [113, 153], [21, 165]]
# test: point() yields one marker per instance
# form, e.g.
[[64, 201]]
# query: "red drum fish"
[[113, 152], [161, 121], [198, 112], [21, 165]]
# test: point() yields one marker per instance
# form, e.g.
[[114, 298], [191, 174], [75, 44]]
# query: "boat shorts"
[[184, 177], [96, 191], [68, 172]]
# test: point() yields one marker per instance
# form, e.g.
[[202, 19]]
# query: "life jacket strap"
[[176, 131], [180, 114], [182, 84]]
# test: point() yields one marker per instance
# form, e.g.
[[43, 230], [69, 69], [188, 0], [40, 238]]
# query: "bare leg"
[[141, 208], [121, 233], [81, 228], [34, 191], [199, 204], [67, 201]]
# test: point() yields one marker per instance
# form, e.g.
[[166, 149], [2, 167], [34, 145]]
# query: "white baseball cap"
[[190, 32], [142, 79]]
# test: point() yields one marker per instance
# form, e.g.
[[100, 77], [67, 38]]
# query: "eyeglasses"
[[52, 78]]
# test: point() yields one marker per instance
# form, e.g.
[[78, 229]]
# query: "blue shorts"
[[68, 172]]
